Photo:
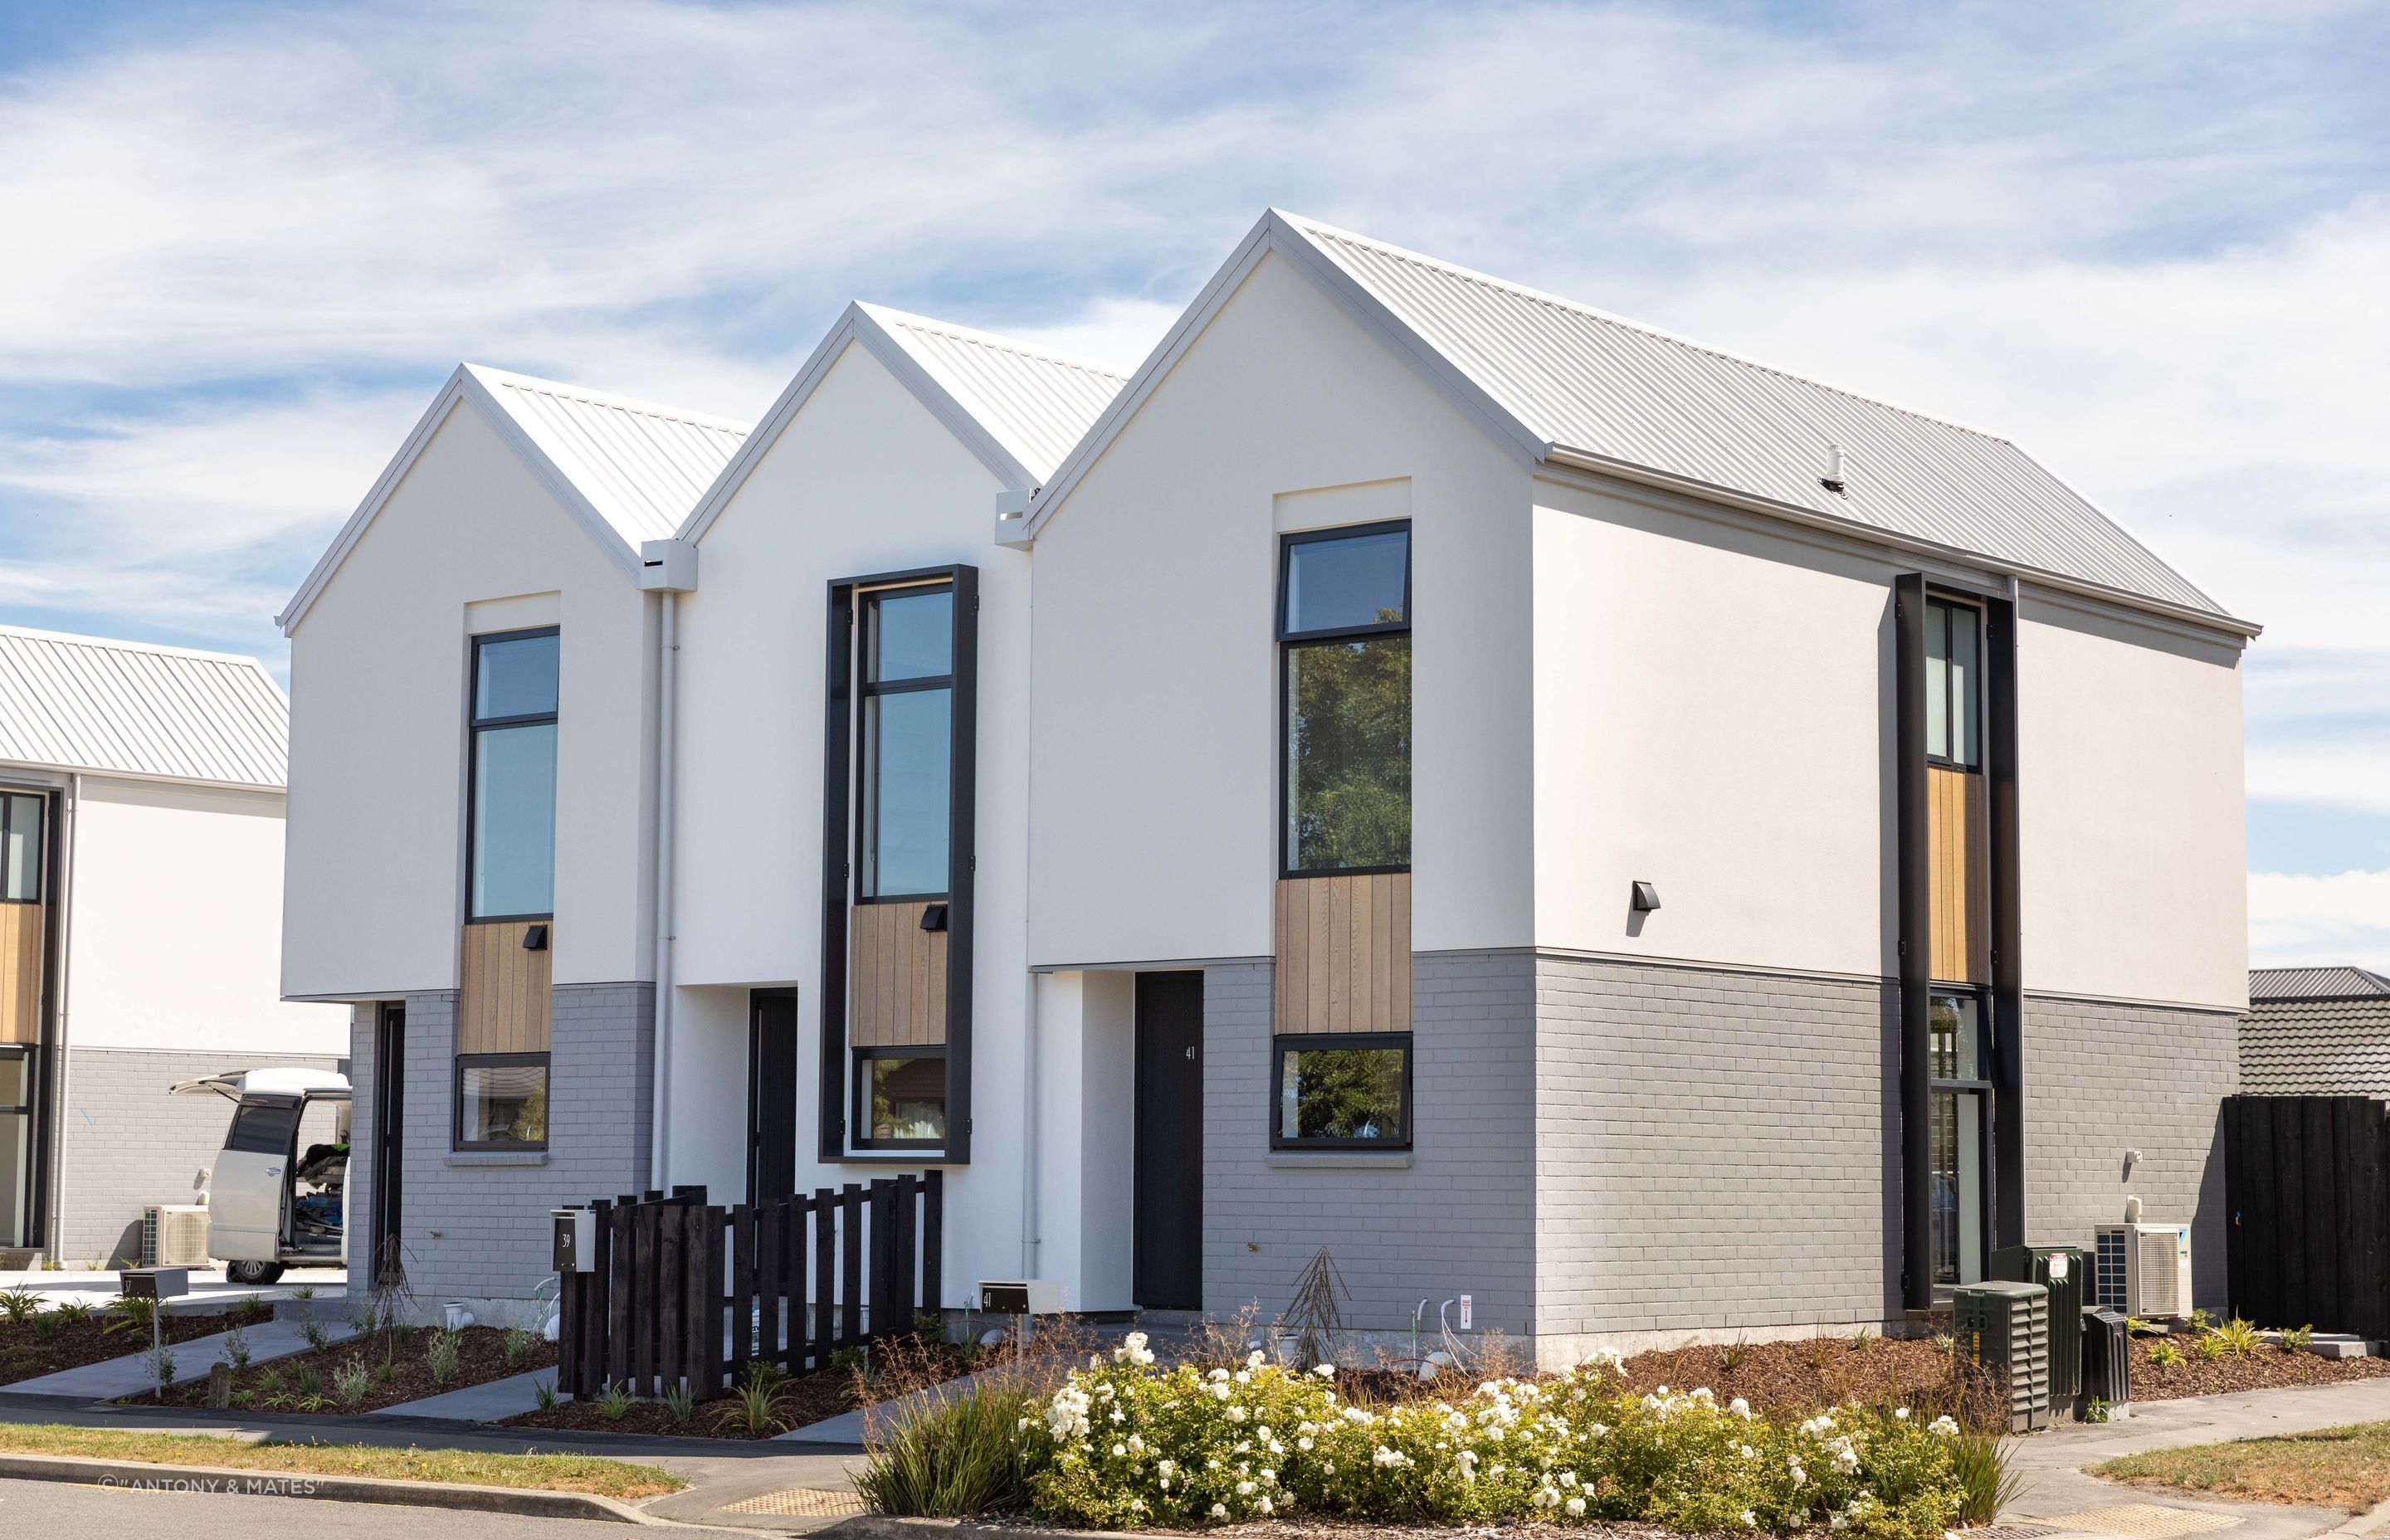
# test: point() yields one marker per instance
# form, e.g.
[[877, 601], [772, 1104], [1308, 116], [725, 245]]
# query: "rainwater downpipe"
[[667, 672], [58, 1130], [1030, 1238]]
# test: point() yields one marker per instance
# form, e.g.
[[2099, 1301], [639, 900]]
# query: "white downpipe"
[[65, 834], [667, 672], [1029, 1238]]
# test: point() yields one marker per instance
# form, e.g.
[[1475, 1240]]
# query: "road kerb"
[[527, 1502]]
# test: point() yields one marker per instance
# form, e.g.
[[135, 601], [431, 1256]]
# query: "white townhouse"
[[141, 833], [1553, 813]]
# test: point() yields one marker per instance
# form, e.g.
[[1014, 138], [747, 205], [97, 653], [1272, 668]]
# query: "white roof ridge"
[[120, 644], [491, 375], [891, 315], [1559, 301]]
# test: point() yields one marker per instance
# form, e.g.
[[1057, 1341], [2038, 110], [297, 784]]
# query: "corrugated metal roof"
[[1036, 403], [1583, 381], [128, 708], [2316, 984], [641, 466], [2318, 1047]]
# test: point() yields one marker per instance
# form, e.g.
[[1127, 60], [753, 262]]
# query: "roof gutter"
[[2210, 621]]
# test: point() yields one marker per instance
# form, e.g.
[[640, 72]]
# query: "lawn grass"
[[543, 1472], [2329, 1468]]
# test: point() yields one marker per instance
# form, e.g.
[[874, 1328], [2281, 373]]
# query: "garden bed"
[[2265, 1368], [1797, 1378], [393, 1370], [799, 1402], [49, 1341]]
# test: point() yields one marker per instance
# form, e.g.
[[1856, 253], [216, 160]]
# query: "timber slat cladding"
[[20, 972], [1955, 814], [1344, 954], [897, 980], [502, 1000]]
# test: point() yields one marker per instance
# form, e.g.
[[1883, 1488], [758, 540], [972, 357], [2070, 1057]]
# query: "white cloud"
[[2297, 921]]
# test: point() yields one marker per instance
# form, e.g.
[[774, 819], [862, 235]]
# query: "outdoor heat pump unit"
[[175, 1235], [2142, 1270]]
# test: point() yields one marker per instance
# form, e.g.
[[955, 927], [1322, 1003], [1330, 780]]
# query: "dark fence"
[[682, 1293], [2307, 1185]]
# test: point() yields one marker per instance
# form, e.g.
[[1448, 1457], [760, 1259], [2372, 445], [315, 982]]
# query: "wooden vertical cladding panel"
[[896, 984], [1960, 924], [20, 972], [502, 999], [1344, 954]]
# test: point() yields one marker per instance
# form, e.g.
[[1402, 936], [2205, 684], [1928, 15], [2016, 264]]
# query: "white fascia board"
[[464, 385], [856, 324], [1275, 232]]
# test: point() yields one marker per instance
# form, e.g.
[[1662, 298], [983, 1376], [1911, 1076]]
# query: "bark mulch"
[[2268, 1368], [47, 1342], [283, 1385], [900, 1368], [1797, 1378]]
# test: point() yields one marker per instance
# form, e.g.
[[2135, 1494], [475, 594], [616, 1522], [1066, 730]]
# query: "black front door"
[[388, 1140], [771, 1094], [1167, 1270]]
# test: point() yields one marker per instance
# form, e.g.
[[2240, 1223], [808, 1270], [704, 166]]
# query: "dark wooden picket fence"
[[2306, 1190], [687, 1293]]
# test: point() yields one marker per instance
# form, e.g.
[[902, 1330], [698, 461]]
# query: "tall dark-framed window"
[[1954, 685], [23, 816], [1344, 630], [1959, 1133], [501, 1101], [1342, 1091], [511, 862], [19, 1148], [899, 776]]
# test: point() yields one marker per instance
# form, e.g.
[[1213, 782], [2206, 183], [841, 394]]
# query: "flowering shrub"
[[1124, 1446]]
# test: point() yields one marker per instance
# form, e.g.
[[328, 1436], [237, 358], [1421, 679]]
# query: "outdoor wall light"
[[1647, 898]]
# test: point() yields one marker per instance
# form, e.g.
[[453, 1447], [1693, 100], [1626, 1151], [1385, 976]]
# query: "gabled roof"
[[1559, 382], [2316, 983], [89, 704], [626, 470], [1019, 408]]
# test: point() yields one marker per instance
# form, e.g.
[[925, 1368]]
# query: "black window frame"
[[475, 726], [1944, 606], [868, 690], [861, 1111], [1284, 1043], [457, 1140], [1289, 639], [8, 795]]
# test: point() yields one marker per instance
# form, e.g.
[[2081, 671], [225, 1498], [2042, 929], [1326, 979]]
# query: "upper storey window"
[[1953, 710], [908, 770], [1345, 618], [20, 847], [513, 862]]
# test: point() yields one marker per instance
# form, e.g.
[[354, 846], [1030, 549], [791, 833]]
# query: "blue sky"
[[245, 242]]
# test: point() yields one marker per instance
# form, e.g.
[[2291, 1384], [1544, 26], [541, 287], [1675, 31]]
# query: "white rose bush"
[[1125, 1445]]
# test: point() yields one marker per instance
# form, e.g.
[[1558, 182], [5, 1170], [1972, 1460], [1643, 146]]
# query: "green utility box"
[[2005, 1326], [2065, 1270]]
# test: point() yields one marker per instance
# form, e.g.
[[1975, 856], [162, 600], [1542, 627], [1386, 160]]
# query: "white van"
[[271, 1203]]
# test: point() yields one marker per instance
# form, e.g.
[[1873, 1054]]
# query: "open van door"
[[249, 1188]]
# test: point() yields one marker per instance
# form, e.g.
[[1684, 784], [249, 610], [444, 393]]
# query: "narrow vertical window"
[[513, 801], [20, 847], [907, 737], [1344, 623], [1953, 685], [1957, 1137]]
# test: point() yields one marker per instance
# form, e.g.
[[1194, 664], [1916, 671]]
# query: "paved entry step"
[[803, 1501]]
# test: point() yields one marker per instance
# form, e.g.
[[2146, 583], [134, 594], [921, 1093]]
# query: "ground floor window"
[[1959, 1135], [15, 1145], [900, 1097], [502, 1101], [1343, 1091]]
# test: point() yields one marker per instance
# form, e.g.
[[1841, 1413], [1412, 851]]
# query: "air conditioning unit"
[[2142, 1270], [175, 1235]]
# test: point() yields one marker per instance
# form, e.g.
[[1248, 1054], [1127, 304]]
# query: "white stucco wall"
[[2130, 792], [1087, 1080], [378, 685], [1712, 715], [1155, 791], [176, 935], [862, 480]]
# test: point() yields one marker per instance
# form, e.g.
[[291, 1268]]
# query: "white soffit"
[[104, 707]]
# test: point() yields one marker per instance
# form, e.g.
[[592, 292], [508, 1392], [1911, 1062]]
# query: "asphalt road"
[[59, 1508]]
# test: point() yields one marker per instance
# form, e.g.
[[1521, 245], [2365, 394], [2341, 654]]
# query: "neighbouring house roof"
[[1017, 407], [626, 470], [1560, 382], [2316, 1032], [86, 703]]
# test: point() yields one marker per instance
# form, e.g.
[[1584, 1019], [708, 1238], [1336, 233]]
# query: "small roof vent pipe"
[[1832, 480]]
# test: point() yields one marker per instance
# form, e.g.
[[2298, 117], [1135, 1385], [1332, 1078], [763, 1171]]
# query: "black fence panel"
[[2306, 1183]]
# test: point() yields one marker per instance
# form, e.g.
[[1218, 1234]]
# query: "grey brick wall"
[[2102, 1078], [1716, 1151], [477, 1229], [1455, 1221], [126, 1144]]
